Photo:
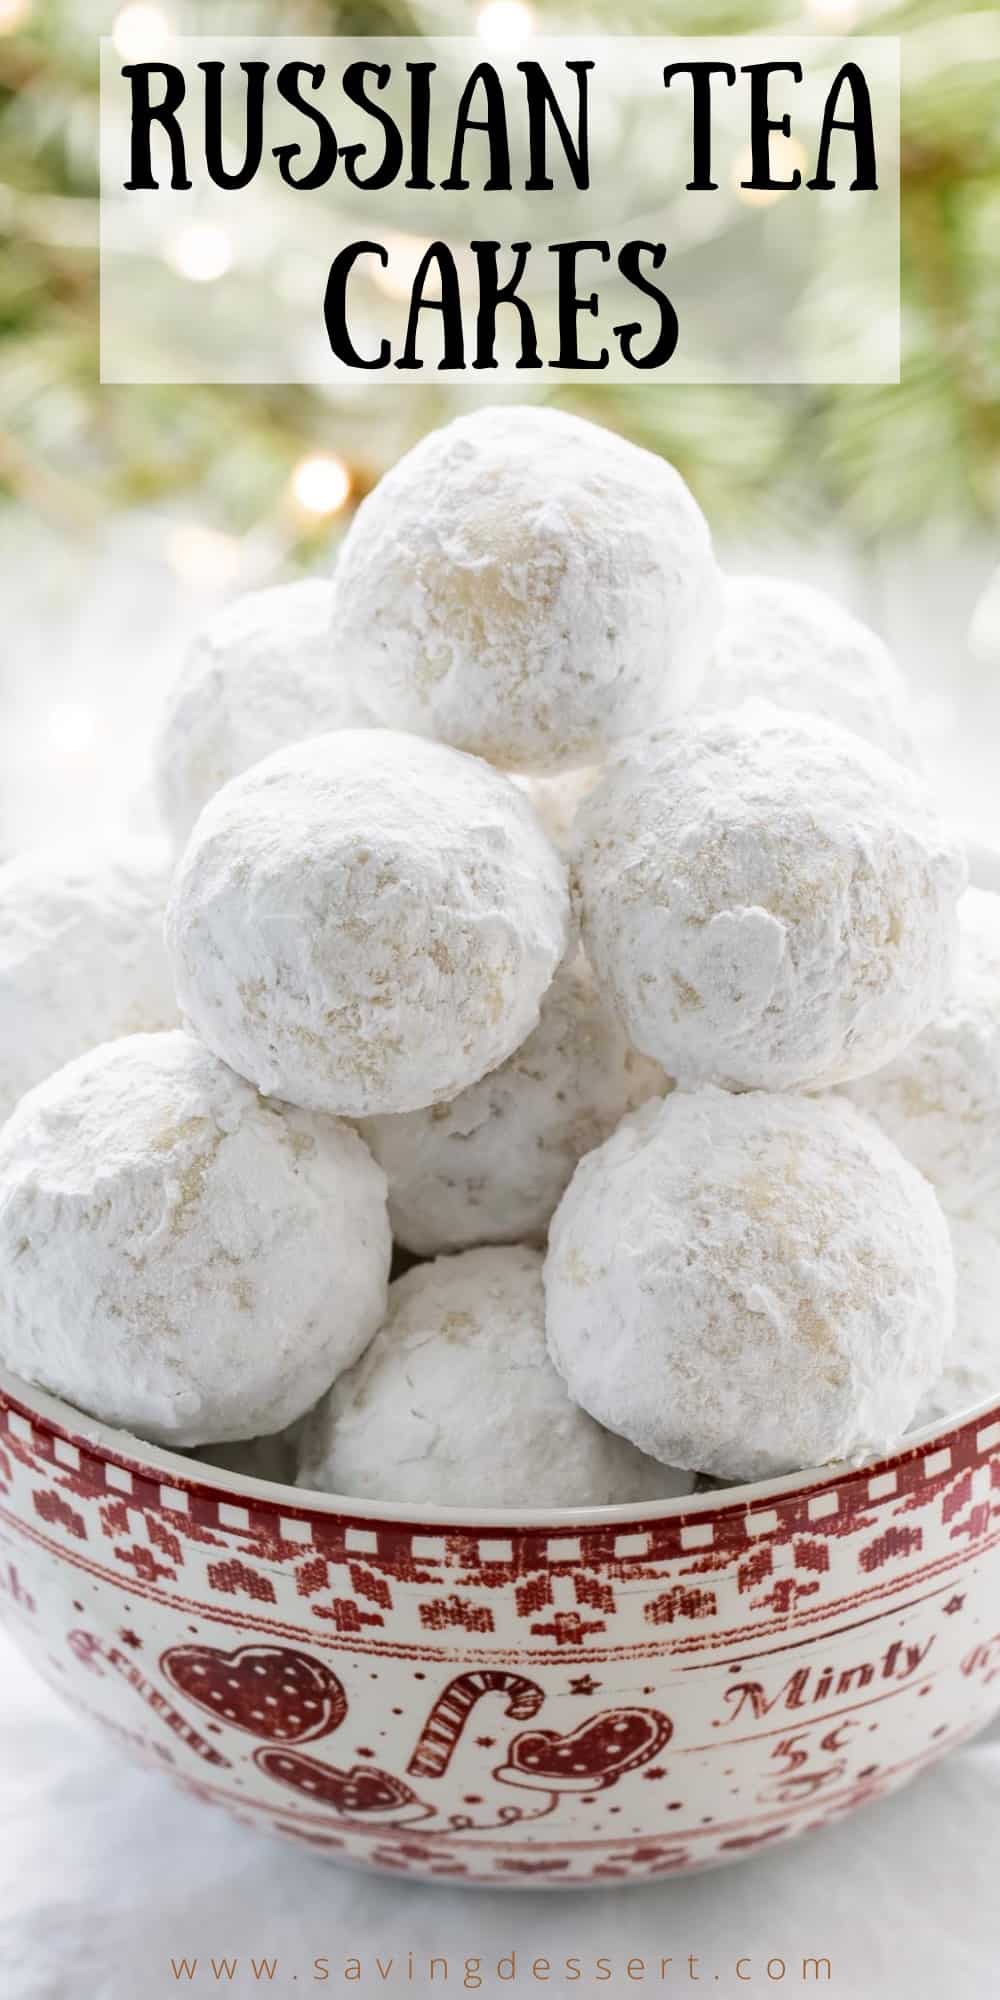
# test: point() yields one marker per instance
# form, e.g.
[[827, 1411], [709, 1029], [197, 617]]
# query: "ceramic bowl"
[[561, 1698]]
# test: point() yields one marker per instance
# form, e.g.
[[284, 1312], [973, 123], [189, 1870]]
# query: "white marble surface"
[[107, 1874]]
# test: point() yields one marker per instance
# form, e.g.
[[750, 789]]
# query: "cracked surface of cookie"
[[799, 648], [456, 1403], [768, 901], [177, 1256], [260, 675], [749, 1284], [491, 1166], [367, 922], [82, 957], [528, 586]]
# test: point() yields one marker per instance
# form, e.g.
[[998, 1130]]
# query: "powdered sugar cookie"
[[527, 586], [939, 1099], [768, 901], [750, 1284], [177, 1256], [456, 1403], [972, 1370], [367, 922], [260, 675], [82, 957], [797, 647], [491, 1166]]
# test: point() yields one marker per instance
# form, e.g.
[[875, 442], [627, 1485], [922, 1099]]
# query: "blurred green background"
[[881, 458]]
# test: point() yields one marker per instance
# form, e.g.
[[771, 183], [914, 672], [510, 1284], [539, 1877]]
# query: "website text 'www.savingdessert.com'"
[[486, 1972]]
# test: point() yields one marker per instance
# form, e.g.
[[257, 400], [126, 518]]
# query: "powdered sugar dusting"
[[82, 957], [940, 1098], [491, 1166], [457, 1402], [175, 1255], [768, 901], [367, 922], [527, 586], [749, 1284], [261, 675], [972, 1370], [797, 647]]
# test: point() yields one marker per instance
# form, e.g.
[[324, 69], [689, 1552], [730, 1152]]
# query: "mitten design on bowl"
[[589, 1758], [360, 1793], [270, 1691]]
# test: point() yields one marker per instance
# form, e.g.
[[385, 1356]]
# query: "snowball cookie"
[[800, 649], [456, 1403], [175, 1255], [257, 677], [82, 957], [529, 586], [749, 1284], [367, 922], [768, 901], [490, 1166], [940, 1098], [972, 1371]]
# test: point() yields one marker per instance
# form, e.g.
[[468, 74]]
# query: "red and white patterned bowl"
[[511, 1697]]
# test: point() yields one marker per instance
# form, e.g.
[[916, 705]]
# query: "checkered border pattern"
[[825, 1507]]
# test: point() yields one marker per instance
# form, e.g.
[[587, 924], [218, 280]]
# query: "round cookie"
[[82, 957], [939, 1099], [768, 901], [491, 1166], [798, 648], [456, 1403], [367, 922], [528, 586], [748, 1285], [972, 1371], [177, 1256], [259, 676]]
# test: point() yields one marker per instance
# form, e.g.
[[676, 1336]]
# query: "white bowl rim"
[[174, 1469]]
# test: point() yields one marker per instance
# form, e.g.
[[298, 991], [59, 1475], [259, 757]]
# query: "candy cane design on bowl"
[[90, 1653], [368, 1794], [454, 1705]]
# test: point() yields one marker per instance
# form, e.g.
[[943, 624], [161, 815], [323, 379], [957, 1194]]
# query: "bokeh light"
[[787, 155], [14, 14], [321, 484], [200, 251], [502, 24], [140, 32], [838, 15], [201, 555]]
